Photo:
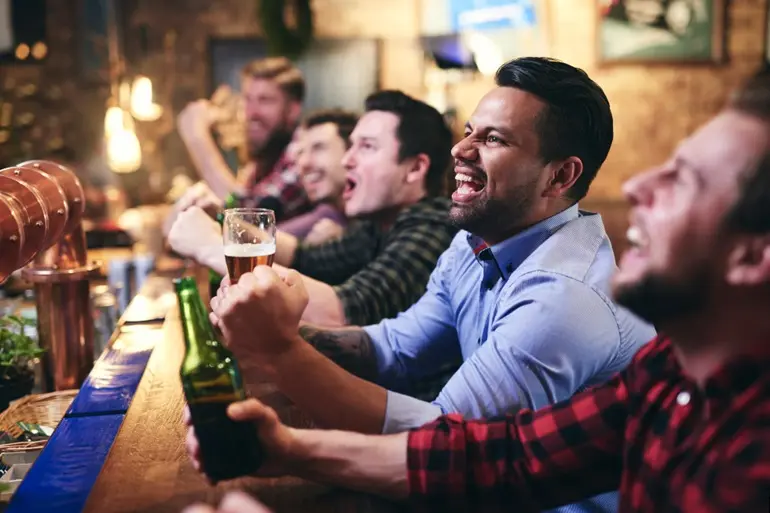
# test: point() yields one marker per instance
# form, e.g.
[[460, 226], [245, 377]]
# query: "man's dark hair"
[[344, 120], [421, 129], [751, 213], [280, 70], [576, 122]]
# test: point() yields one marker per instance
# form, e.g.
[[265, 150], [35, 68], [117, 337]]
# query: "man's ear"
[[295, 112], [749, 262], [418, 168], [564, 174]]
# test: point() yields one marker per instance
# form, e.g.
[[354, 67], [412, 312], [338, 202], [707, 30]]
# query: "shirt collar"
[[732, 378], [510, 253]]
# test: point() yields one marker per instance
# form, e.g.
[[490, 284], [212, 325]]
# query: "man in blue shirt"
[[520, 297]]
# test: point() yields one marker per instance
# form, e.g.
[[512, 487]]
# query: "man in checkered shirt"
[[685, 428], [273, 90]]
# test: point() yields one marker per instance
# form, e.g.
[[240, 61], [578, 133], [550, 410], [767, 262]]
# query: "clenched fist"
[[195, 235], [197, 116], [259, 316]]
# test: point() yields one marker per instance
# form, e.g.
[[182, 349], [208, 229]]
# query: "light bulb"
[[142, 107], [124, 94], [113, 121], [124, 154]]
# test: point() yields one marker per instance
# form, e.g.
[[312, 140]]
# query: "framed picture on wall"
[[661, 31]]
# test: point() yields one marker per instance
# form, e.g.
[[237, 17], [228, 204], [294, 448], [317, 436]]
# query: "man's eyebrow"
[[506, 133], [682, 160]]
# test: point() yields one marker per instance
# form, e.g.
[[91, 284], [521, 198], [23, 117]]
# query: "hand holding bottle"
[[278, 441]]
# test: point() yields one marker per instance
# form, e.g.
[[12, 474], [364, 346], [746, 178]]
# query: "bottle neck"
[[231, 201], [199, 335]]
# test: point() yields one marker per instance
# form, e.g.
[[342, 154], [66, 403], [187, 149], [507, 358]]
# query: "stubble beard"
[[490, 218], [662, 300]]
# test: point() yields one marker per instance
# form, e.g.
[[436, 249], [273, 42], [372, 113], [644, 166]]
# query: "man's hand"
[[196, 117], [195, 235], [324, 230], [233, 502], [260, 314], [200, 195], [277, 440], [214, 301]]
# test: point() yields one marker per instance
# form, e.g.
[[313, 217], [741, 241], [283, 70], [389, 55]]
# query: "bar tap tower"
[[41, 210]]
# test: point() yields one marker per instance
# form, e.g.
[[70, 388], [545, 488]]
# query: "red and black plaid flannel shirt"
[[283, 183], [668, 445]]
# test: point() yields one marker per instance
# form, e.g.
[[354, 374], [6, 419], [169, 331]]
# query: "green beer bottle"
[[215, 279], [211, 380]]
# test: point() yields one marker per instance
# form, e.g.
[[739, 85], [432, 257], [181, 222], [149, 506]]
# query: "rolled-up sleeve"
[[404, 412]]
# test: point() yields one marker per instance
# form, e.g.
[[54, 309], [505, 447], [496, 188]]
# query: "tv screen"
[[23, 31]]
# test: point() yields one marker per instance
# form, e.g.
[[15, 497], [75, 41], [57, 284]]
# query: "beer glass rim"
[[246, 210]]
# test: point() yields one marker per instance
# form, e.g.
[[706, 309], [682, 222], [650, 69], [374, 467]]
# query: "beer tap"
[[41, 211]]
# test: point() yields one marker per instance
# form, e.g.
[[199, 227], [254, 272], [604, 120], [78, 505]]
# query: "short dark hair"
[[344, 120], [577, 120], [751, 212], [421, 129], [280, 70]]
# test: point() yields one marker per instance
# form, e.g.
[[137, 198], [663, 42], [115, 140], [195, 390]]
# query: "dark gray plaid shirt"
[[375, 273]]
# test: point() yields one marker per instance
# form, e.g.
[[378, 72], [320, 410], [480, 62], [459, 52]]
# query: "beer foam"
[[249, 250]]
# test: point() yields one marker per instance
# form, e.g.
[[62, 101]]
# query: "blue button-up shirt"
[[530, 317]]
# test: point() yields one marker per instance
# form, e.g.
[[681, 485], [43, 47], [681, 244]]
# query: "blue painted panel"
[[112, 383], [491, 14], [61, 478]]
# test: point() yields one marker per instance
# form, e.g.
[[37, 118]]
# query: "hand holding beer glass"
[[249, 240]]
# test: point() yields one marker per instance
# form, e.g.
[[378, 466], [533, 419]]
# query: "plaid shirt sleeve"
[[533, 460], [284, 185], [397, 278], [335, 261]]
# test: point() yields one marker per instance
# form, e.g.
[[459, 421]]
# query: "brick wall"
[[654, 106]]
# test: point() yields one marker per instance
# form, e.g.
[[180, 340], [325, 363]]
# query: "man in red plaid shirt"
[[685, 428], [273, 90]]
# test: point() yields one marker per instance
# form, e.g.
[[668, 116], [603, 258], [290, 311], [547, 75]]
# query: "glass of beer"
[[249, 237]]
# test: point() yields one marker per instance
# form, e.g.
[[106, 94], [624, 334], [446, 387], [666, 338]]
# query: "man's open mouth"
[[470, 184], [350, 185]]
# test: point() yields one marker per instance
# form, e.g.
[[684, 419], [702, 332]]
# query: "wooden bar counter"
[[147, 469]]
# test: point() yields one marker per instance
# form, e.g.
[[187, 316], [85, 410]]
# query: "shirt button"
[[683, 399]]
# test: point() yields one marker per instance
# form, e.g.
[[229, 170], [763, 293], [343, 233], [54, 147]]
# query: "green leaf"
[[17, 349]]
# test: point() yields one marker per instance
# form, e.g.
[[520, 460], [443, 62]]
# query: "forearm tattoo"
[[350, 348]]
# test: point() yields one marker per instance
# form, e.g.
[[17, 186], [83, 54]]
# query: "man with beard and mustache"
[[273, 90], [520, 298], [684, 428]]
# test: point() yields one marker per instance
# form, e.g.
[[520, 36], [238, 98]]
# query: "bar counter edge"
[[62, 476]]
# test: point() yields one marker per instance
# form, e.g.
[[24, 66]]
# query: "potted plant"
[[18, 355]]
